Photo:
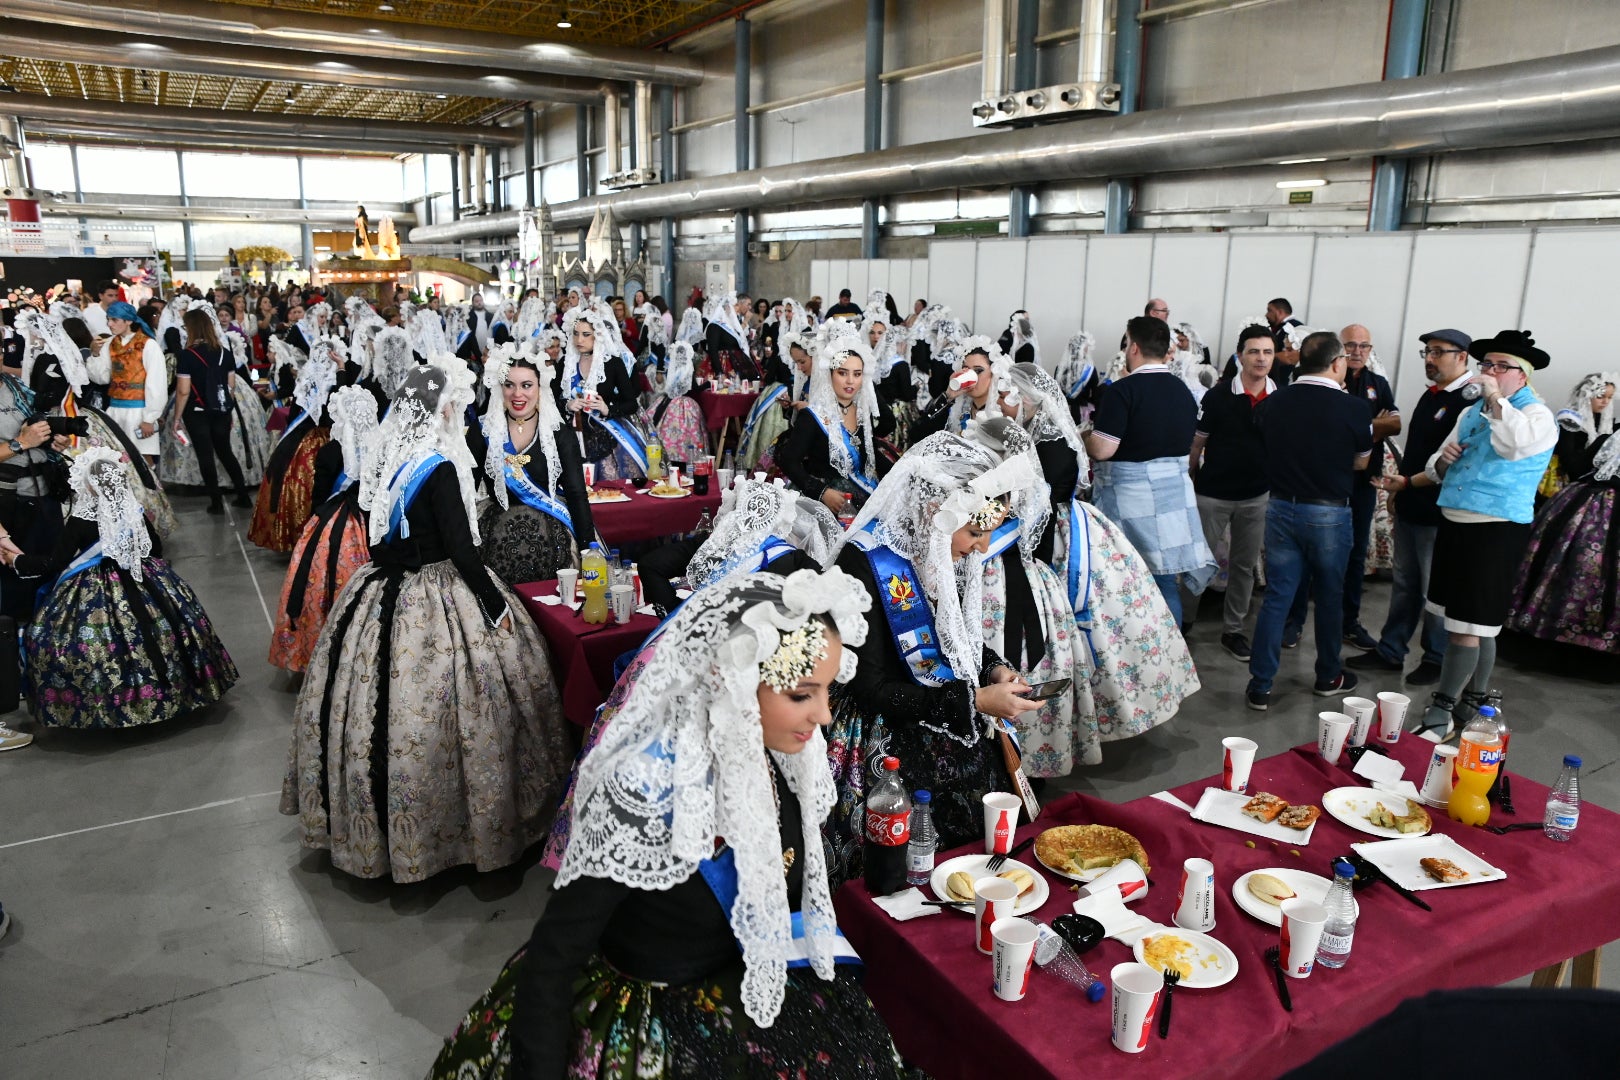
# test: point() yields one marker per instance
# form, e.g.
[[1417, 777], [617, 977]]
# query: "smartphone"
[[1048, 690]]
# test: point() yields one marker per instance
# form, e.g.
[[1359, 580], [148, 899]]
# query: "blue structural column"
[[873, 103], [745, 68], [1128, 73], [1403, 59], [528, 157], [455, 184], [666, 173], [582, 162], [306, 236], [1025, 76], [634, 140], [185, 200]]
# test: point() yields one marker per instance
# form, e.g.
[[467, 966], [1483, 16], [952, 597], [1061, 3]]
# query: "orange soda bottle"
[[1479, 759], [593, 582]]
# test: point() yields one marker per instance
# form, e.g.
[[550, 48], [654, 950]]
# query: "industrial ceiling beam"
[[195, 139], [330, 35]]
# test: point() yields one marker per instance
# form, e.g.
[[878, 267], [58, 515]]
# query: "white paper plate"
[[1214, 965], [973, 866], [655, 495], [1306, 885], [1400, 860], [1351, 805], [1225, 808]]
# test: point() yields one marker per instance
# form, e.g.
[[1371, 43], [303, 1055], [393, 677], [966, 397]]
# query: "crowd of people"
[[940, 546]]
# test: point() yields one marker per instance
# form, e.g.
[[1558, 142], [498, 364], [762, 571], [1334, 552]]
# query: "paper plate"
[[973, 866], [1213, 964], [1351, 805]]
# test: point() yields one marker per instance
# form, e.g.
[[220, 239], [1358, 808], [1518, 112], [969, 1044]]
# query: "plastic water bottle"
[[888, 832], [1564, 802], [1340, 929], [920, 850], [1057, 957]]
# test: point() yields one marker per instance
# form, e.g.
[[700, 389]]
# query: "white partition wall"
[[1364, 278], [1189, 272], [1055, 286], [1119, 271], [951, 280], [1000, 289]]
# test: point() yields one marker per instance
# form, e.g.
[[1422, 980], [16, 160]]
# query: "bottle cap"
[[1487, 711], [1343, 869], [1095, 991], [892, 764], [922, 796], [1572, 761]]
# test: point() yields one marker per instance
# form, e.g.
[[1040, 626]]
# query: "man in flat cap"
[[1487, 471]]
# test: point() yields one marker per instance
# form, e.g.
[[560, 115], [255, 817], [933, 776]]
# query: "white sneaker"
[[13, 740]]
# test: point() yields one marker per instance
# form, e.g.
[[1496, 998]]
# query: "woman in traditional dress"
[[539, 517], [1583, 424], [598, 395], [891, 372], [287, 493], [1568, 588], [120, 639], [428, 732], [692, 933], [783, 398], [676, 416], [992, 372], [829, 453], [927, 681], [503, 323], [1018, 341], [334, 542], [1078, 376]]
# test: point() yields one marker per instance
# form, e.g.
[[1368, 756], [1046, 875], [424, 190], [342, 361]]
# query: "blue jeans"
[[1363, 502], [1414, 550], [1302, 540], [1170, 586]]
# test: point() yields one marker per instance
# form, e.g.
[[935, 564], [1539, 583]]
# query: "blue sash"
[[720, 875], [342, 484], [1003, 538], [857, 475], [627, 437], [533, 495], [1080, 383], [762, 405], [910, 618], [298, 418], [420, 470], [88, 558]]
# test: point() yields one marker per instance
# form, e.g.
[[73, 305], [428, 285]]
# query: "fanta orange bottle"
[[1479, 758]]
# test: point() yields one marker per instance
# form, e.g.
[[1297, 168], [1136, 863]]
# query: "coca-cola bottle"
[[888, 832]]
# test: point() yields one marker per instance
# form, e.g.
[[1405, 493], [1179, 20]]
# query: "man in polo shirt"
[[1417, 513], [1228, 466], [1140, 442], [1316, 436], [1280, 318], [1487, 469]]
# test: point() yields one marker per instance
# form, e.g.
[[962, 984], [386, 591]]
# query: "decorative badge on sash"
[[531, 494], [910, 618]]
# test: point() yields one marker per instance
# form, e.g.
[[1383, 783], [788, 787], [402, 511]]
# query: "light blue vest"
[[1482, 481]]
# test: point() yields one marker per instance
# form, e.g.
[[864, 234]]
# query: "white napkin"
[[1118, 922], [549, 599], [905, 904], [1386, 774]]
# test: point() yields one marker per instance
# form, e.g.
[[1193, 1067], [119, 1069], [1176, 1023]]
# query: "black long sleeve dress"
[[806, 461], [618, 392], [522, 544]]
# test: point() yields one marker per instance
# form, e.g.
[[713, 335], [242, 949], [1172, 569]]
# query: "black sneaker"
[[1237, 645], [1290, 638], [1373, 661], [1258, 700], [1345, 683], [1425, 674], [1357, 635]]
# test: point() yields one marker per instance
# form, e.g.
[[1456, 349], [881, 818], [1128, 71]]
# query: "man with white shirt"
[[478, 321], [1487, 470], [95, 315]]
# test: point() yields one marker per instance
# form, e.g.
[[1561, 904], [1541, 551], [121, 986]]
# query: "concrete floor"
[[167, 924]]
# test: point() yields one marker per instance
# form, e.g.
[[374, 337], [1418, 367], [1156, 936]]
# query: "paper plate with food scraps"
[[1378, 813], [1204, 963], [1225, 808], [1034, 892], [1435, 861], [1065, 849], [1259, 897]]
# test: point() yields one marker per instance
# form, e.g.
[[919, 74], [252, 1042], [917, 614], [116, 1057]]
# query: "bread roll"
[[1270, 888], [960, 886], [1020, 877]]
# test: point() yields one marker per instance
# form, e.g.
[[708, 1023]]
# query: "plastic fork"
[[998, 861]]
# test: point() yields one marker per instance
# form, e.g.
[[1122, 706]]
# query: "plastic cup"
[[1392, 715], [1437, 780], [1000, 821], [1124, 875], [1012, 956], [1236, 761], [1302, 923], [568, 585], [590, 473], [622, 601], [1332, 730], [1195, 905], [1136, 1003], [723, 477], [1361, 712], [993, 898]]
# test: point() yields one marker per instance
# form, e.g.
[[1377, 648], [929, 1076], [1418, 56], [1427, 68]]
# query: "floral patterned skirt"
[[107, 651], [1569, 583], [279, 529], [1381, 538], [463, 760], [521, 544], [1141, 670], [758, 452], [333, 546], [1062, 733], [628, 1029], [682, 432]]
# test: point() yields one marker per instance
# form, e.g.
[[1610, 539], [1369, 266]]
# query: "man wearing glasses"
[[1417, 515], [1487, 471]]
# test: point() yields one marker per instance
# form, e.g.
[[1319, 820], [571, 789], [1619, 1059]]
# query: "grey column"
[[873, 118], [1128, 73], [666, 172], [306, 235], [1025, 75], [634, 139], [744, 72], [1402, 59], [78, 190], [582, 161], [185, 200], [528, 157], [455, 186], [427, 194]]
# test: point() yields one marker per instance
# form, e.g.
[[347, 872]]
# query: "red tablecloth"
[[645, 517], [933, 988], [582, 653], [719, 408]]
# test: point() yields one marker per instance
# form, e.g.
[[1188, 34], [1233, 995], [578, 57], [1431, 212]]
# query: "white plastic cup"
[[622, 600], [760, 477], [1000, 821], [965, 380], [1012, 956], [1361, 712], [1237, 759], [723, 477], [1437, 781], [1195, 904], [590, 473], [1332, 731], [1124, 875], [1392, 715], [1136, 989], [567, 584], [1302, 923], [993, 898], [674, 477]]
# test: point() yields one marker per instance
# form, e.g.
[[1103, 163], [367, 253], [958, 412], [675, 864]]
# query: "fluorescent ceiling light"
[[1288, 185], [562, 20], [1302, 161]]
